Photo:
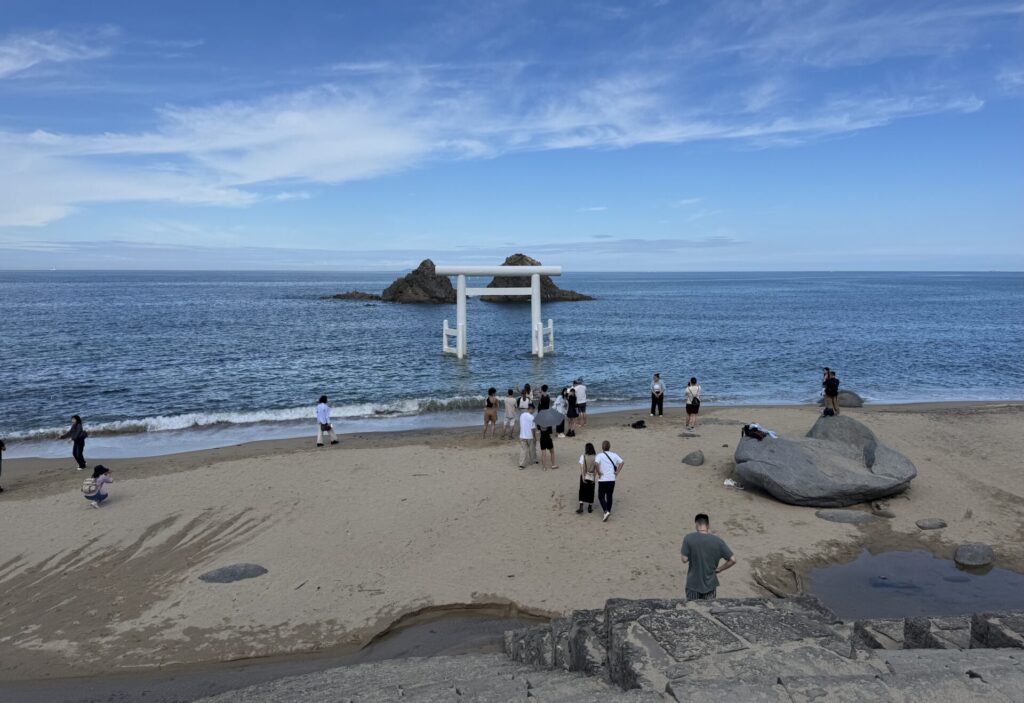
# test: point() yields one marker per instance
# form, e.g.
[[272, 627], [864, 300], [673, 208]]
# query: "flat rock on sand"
[[232, 573], [839, 463], [850, 517], [974, 554], [931, 523], [694, 458]]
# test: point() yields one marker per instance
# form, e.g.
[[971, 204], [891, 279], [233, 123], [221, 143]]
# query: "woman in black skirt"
[[588, 477], [572, 414]]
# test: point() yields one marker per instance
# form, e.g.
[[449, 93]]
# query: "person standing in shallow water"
[[702, 552], [491, 411], [323, 417], [77, 435], [509, 428]]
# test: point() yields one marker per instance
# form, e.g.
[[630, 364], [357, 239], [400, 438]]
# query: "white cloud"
[[686, 202], [19, 52], [596, 208]]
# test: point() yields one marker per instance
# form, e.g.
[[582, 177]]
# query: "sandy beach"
[[356, 536]]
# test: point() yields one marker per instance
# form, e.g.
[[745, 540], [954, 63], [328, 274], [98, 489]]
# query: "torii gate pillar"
[[542, 339]]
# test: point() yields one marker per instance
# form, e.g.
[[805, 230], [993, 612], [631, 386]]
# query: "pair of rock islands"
[[424, 285]]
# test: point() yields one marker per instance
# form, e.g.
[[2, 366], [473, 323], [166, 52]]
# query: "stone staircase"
[[784, 650]]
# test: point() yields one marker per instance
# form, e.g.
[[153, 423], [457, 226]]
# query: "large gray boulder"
[[549, 292], [840, 462]]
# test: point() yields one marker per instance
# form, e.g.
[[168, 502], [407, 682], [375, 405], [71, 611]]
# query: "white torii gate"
[[539, 345]]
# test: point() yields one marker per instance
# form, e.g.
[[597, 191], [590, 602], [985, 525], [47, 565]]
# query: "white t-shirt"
[[510, 408], [606, 468], [691, 393], [526, 426], [581, 393]]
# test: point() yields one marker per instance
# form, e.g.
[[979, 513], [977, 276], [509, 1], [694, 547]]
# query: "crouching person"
[[94, 488]]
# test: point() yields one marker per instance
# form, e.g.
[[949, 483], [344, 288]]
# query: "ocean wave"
[[185, 421]]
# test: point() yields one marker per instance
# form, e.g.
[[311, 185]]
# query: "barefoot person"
[[692, 403], [527, 438], [702, 552], [94, 489], [508, 429], [323, 418], [657, 396], [609, 466], [588, 478], [77, 435], [491, 411]]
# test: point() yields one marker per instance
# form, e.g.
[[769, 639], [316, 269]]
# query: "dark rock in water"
[[549, 292], [352, 295], [694, 458], [826, 469], [973, 554], [931, 523], [232, 573], [421, 286], [849, 517]]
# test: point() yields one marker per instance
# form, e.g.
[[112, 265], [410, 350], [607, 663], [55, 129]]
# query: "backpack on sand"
[[89, 486]]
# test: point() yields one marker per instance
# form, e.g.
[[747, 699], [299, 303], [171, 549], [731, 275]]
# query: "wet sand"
[[358, 535]]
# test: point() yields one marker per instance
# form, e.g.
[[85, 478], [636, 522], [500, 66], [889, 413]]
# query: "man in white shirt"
[[527, 437], [609, 466], [581, 401], [511, 415], [323, 417]]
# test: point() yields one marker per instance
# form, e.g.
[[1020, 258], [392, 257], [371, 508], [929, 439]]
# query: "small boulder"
[[352, 295], [232, 573], [849, 517], [974, 554], [931, 523], [694, 458], [847, 399]]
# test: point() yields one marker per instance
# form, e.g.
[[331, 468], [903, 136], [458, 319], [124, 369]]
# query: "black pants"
[[78, 452], [657, 404], [605, 489]]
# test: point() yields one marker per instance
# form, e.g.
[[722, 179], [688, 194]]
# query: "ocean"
[[157, 362]]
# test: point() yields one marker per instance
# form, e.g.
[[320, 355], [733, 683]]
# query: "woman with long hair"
[[77, 435], [588, 477], [94, 488], [692, 404]]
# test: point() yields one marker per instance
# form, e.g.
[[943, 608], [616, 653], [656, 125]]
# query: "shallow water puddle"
[[915, 583]]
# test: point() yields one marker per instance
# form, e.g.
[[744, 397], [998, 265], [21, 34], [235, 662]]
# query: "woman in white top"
[[692, 404]]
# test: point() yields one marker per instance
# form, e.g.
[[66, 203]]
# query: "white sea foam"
[[185, 421]]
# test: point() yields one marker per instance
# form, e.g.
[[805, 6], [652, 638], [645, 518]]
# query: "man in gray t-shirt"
[[703, 551]]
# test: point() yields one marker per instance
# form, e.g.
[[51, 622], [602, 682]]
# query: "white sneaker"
[[94, 504], [606, 516]]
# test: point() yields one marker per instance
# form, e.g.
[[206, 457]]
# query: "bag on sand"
[[89, 486], [639, 425], [753, 432]]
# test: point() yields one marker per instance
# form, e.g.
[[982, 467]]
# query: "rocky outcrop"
[[549, 292], [839, 463], [421, 286], [352, 295], [847, 399]]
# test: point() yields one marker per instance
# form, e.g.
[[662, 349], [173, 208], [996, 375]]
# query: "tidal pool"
[[914, 583]]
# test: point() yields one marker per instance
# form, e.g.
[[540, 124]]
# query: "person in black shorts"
[[832, 393], [547, 447], [572, 413]]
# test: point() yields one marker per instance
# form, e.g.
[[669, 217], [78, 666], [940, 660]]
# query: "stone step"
[[996, 630]]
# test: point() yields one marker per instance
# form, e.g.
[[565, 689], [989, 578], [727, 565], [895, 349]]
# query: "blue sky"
[[658, 135]]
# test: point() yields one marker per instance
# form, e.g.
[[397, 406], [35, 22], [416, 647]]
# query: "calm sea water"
[[176, 360]]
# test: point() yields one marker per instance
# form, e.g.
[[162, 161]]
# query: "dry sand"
[[358, 535]]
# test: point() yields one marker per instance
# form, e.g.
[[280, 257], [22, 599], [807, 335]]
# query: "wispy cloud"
[[597, 208], [20, 52], [686, 202]]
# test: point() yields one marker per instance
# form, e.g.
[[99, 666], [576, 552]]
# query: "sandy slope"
[[357, 535]]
